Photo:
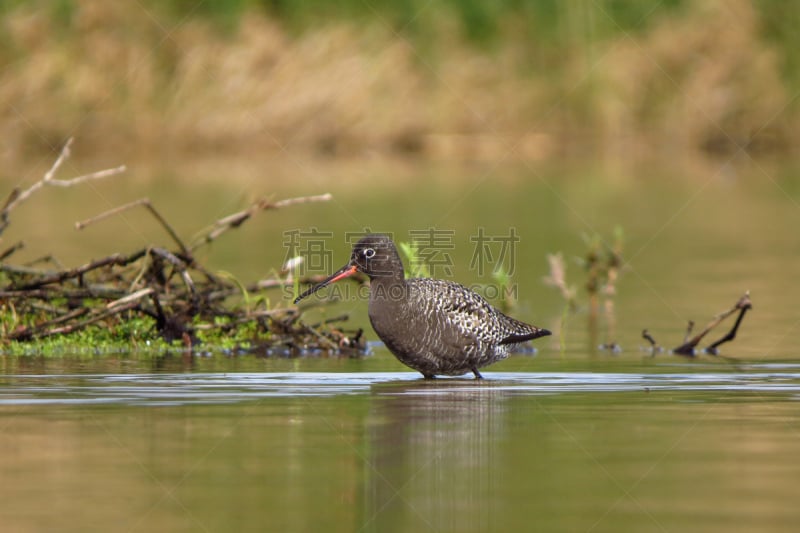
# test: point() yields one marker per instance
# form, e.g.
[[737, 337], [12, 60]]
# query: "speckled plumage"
[[434, 326]]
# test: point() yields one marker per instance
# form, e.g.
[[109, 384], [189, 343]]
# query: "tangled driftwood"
[[690, 342], [170, 286]]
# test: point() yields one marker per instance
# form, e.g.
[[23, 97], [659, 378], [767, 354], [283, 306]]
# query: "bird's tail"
[[535, 334]]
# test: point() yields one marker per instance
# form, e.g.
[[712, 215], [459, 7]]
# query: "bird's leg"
[[477, 374], [428, 376]]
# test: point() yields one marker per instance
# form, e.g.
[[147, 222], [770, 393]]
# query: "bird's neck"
[[391, 288]]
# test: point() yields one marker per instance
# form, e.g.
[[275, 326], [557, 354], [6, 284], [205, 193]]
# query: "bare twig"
[[34, 331], [179, 265], [138, 295], [341, 318], [689, 328], [649, 338], [75, 326], [24, 270], [742, 305], [17, 197], [50, 293], [12, 197], [5, 254], [58, 277], [237, 219], [66, 151], [21, 196], [654, 347], [100, 174], [297, 200], [45, 259], [221, 292], [145, 202], [55, 300], [320, 337]]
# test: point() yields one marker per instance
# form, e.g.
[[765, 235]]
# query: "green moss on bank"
[[136, 334]]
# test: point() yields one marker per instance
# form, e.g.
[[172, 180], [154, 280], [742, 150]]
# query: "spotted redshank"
[[431, 325]]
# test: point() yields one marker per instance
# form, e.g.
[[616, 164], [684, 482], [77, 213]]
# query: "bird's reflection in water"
[[431, 446]]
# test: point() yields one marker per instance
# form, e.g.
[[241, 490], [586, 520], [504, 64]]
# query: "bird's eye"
[[369, 253]]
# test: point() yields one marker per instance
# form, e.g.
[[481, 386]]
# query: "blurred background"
[[454, 79], [672, 123], [651, 143]]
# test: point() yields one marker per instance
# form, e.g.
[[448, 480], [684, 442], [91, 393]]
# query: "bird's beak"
[[345, 271]]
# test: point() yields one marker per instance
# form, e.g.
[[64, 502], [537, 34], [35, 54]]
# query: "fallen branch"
[[742, 305], [89, 321], [138, 295], [649, 338], [178, 265], [165, 285], [38, 329], [689, 346], [50, 293], [58, 277]]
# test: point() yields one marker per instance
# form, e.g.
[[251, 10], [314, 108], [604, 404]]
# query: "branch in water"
[[742, 305]]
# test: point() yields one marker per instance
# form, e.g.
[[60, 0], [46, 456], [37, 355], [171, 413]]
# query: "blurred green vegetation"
[[480, 20], [712, 76], [552, 24], [548, 21], [779, 23]]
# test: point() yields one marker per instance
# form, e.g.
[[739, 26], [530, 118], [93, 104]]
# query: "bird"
[[434, 326]]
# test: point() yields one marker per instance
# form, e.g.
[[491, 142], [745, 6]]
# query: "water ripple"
[[219, 388]]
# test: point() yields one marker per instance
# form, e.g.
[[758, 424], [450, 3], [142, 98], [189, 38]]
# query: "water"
[[570, 438], [619, 444]]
